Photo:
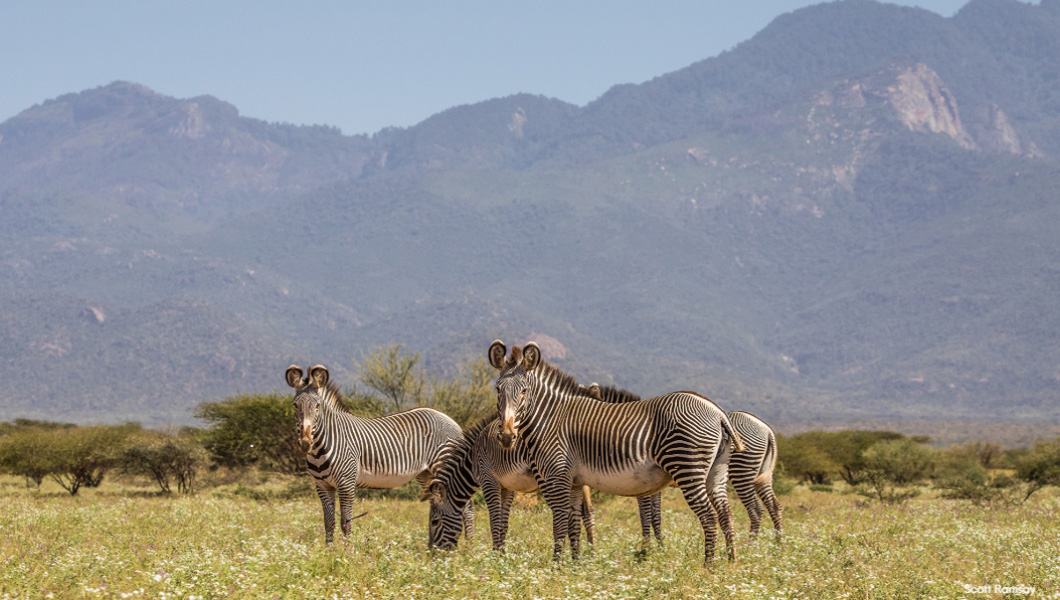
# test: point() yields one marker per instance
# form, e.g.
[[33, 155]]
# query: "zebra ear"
[[437, 491], [294, 376], [319, 376], [496, 354], [531, 356], [594, 391]]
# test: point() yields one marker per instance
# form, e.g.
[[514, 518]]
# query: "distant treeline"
[[257, 432]]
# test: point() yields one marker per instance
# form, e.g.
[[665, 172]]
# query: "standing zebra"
[[750, 472], [344, 451], [477, 461], [629, 449], [649, 508]]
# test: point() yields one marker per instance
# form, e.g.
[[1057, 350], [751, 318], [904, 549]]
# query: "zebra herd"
[[552, 434]]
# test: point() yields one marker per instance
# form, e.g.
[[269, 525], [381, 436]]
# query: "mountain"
[[846, 217]]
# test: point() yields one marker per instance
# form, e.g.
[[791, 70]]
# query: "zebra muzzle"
[[507, 433], [507, 440]]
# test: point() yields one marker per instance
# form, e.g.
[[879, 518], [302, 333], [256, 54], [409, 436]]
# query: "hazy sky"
[[362, 66]]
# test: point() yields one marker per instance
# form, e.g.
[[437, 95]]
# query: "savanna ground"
[[236, 542]]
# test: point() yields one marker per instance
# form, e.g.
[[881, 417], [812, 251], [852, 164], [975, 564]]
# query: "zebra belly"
[[520, 481], [637, 480], [368, 479]]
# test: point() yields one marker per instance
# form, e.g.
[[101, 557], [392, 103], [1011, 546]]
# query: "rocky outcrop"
[[924, 104]]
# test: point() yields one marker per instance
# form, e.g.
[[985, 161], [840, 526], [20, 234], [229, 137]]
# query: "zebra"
[[649, 508], [750, 471], [478, 461], [630, 449], [344, 451]]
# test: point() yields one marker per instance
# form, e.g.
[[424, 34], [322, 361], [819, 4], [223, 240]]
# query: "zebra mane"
[[457, 449], [333, 397], [560, 380], [617, 395]]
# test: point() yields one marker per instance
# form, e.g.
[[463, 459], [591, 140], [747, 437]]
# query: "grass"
[[125, 543]]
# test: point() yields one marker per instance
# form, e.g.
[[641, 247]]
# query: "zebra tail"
[[737, 441], [769, 460]]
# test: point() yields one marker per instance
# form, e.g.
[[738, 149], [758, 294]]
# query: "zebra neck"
[[326, 432], [461, 484], [542, 405]]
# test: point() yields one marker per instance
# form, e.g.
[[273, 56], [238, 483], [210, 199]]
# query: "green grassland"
[[240, 542]]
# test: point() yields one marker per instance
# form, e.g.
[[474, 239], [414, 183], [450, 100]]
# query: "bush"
[[891, 466], [165, 458], [469, 395], [27, 453], [393, 373], [252, 430], [1040, 467], [802, 457], [81, 456]]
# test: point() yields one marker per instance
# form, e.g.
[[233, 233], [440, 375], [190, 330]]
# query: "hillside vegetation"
[[846, 217]]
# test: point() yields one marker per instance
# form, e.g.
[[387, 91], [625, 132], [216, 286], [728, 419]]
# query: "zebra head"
[[307, 398], [513, 385], [446, 519]]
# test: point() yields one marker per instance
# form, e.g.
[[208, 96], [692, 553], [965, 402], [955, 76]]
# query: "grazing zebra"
[[477, 460], [630, 449], [750, 472], [344, 451]]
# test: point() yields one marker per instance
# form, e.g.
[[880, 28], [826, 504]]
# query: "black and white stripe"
[[344, 451], [629, 449], [751, 471], [479, 461]]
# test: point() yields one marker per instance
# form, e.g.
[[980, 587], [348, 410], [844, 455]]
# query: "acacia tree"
[[892, 466], [81, 456], [167, 459], [252, 430], [1039, 467], [393, 373], [468, 395], [26, 453]]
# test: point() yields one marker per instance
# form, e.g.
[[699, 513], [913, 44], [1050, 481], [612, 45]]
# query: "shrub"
[[802, 457], [891, 466], [252, 430], [467, 396], [27, 453], [81, 456], [1040, 467], [165, 458]]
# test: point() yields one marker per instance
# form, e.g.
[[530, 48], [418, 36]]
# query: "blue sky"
[[363, 66]]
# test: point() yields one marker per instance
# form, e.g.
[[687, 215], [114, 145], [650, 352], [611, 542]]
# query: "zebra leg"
[[745, 490], [505, 512], [469, 519], [346, 495], [717, 480], [645, 511], [557, 495], [656, 515], [588, 516], [494, 495], [695, 492], [327, 502], [574, 526], [764, 487]]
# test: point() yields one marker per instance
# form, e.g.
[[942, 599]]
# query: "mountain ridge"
[[851, 237]]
